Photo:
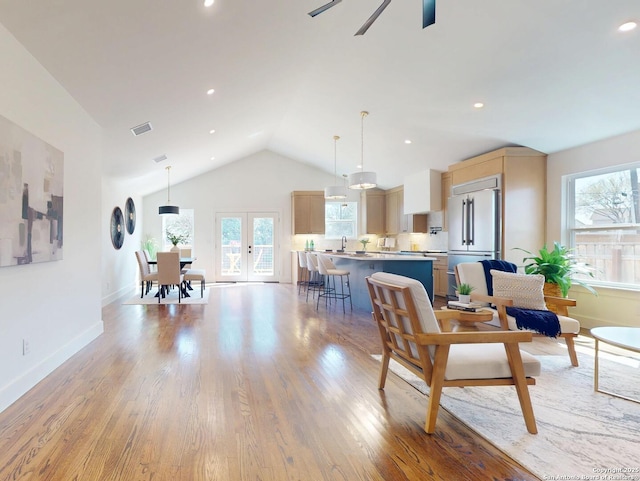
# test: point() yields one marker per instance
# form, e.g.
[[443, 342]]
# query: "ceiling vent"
[[141, 129], [159, 159]]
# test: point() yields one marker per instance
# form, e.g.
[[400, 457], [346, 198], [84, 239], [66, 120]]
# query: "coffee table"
[[622, 337]]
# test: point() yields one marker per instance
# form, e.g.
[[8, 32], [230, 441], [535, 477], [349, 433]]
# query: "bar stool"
[[327, 268], [315, 283], [304, 271]]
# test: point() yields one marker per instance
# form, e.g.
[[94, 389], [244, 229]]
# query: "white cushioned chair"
[[511, 285], [420, 339]]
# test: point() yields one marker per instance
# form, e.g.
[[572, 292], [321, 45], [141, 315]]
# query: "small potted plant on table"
[[464, 292]]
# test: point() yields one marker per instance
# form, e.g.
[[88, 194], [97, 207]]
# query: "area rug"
[[581, 433], [171, 298]]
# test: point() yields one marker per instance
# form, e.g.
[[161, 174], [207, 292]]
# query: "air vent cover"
[[141, 129], [159, 159]]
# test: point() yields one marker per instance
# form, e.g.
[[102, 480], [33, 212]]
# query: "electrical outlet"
[[26, 347]]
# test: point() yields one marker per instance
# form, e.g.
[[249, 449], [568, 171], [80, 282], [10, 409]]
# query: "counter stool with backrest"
[[327, 269], [304, 272], [169, 274], [315, 280]]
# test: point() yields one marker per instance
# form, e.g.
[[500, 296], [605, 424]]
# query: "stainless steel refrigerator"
[[475, 228]]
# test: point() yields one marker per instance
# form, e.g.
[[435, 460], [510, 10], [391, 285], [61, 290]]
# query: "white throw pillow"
[[526, 290]]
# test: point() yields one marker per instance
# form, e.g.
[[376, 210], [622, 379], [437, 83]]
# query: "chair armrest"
[[495, 300], [474, 337], [560, 301]]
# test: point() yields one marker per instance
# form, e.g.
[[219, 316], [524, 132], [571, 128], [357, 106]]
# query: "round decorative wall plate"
[[130, 214], [117, 228]]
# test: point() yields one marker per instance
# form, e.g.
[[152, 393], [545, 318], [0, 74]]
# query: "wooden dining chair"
[[418, 338], [169, 274]]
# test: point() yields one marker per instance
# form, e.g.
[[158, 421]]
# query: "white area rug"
[[580, 432], [172, 297]]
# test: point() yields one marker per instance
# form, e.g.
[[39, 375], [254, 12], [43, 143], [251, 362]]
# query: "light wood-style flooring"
[[256, 385]]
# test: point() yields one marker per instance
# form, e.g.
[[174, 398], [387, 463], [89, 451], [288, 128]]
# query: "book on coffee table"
[[463, 306]]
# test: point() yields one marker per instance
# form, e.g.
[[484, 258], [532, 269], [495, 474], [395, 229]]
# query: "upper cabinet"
[[375, 211], [307, 209], [423, 192], [446, 193], [397, 221]]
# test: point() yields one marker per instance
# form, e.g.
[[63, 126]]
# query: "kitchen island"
[[363, 265]]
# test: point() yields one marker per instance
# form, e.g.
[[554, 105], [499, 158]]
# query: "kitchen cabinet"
[[523, 173], [422, 192], [307, 209], [375, 211], [446, 193], [397, 221], [440, 277]]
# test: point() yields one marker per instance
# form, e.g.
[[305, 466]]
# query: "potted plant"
[[557, 266], [175, 239], [364, 243], [464, 292]]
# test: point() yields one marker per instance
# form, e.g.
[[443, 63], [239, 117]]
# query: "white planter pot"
[[464, 298]]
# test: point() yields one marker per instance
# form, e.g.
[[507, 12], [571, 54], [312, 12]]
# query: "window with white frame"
[[340, 219], [180, 225], [603, 223]]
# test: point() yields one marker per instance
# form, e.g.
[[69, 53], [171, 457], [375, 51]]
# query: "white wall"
[[612, 306], [262, 182], [54, 305], [119, 266]]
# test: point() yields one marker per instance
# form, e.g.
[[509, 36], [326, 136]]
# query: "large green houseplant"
[[557, 266]]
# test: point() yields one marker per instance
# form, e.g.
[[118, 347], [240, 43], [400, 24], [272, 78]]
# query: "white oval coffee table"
[[622, 337]]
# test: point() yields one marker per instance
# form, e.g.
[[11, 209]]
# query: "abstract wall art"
[[31, 197]]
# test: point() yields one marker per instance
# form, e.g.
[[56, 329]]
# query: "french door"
[[246, 247]]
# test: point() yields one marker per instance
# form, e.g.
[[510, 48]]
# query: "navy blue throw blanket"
[[543, 322], [498, 265]]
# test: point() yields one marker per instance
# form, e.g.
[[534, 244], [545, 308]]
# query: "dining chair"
[[147, 277], [169, 274]]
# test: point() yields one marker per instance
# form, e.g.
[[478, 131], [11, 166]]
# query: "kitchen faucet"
[[344, 242]]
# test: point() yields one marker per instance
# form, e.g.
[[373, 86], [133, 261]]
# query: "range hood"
[[423, 192]]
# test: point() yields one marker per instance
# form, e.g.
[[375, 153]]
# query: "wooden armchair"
[[417, 337], [473, 273]]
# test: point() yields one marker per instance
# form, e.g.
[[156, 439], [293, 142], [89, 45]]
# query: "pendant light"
[[362, 180], [168, 209], [335, 191]]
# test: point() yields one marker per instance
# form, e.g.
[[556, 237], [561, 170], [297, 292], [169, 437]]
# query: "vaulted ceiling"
[[552, 74]]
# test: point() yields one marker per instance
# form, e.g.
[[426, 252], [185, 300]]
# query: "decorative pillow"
[[524, 289]]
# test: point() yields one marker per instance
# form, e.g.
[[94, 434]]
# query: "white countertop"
[[377, 256]]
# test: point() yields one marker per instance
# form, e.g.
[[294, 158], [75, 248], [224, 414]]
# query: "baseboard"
[[119, 293], [20, 386]]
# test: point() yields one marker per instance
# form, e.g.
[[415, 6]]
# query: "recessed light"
[[359, 166], [213, 158], [208, 3], [210, 91], [212, 131], [478, 105], [628, 26], [407, 141]]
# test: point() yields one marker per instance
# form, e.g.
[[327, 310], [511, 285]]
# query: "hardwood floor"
[[256, 385]]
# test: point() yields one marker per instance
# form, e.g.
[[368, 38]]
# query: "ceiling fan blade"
[[373, 17], [428, 13], [324, 8]]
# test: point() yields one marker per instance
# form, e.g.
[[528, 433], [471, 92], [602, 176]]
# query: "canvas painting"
[[31, 197]]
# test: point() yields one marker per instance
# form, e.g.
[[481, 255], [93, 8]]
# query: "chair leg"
[[142, 289], [435, 387], [520, 380], [202, 288], [384, 369], [571, 347]]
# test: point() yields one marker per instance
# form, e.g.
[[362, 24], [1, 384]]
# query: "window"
[[182, 225], [603, 228], [340, 219]]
